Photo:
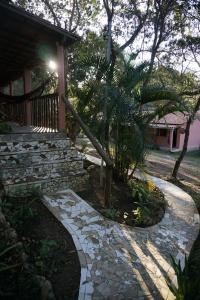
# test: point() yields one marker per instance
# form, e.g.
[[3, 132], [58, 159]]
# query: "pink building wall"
[[194, 137], [166, 142]]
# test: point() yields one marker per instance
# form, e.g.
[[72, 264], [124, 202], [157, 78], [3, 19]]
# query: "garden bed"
[[48, 246], [136, 204]]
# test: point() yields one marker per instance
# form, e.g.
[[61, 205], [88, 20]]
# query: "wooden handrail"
[[88, 133], [49, 96], [97, 146]]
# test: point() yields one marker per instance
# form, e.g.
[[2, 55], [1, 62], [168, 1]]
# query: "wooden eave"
[[26, 41]]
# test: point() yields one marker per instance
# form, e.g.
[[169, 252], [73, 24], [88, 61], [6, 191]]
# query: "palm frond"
[[155, 93]]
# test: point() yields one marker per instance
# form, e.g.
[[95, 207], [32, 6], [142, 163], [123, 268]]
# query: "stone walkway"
[[121, 262]]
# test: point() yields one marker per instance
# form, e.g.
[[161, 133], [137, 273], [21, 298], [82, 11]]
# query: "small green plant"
[[45, 246], [41, 252], [141, 215], [21, 215], [147, 199], [44, 250], [140, 193], [5, 266], [5, 128], [111, 213], [23, 212], [184, 289], [34, 193]]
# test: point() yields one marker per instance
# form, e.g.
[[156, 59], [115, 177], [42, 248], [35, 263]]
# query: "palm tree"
[[127, 121]]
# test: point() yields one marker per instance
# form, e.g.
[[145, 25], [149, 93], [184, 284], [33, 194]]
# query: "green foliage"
[[21, 215], [140, 193], [45, 246], [185, 289], [34, 193], [170, 78], [5, 128], [111, 213], [41, 252], [118, 94], [4, 266], [147, 200]]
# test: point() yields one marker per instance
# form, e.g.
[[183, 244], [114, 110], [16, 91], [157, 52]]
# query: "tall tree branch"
[[49, 6]]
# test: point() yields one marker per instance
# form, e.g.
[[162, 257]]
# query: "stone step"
[[76, 181], [34, 145], [17, 159], [47, 170], [31, 136]]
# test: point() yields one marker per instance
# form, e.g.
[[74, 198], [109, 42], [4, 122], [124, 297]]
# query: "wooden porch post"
[[61, 86], [27, 89], [171, 134], [11, 88]]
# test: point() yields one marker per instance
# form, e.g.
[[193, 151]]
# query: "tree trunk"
[[184, 150], [185, 145], [108, 183]]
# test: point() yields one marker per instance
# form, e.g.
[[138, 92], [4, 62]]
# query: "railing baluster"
[[44, 112]]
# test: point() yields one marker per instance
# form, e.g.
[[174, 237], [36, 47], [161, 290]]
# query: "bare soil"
[[50, 249], [123, 204]]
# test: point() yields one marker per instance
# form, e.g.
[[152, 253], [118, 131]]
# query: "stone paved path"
[[120, 262]]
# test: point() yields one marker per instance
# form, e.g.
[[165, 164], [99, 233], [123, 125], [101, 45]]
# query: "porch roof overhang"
[[27, 41], [164, 126]]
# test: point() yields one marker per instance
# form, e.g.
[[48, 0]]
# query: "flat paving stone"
[[120, 262]]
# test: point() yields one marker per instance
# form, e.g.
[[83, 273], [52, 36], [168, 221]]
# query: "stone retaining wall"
[[30, 160]]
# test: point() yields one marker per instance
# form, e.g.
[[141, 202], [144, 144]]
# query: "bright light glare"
[[52, 65]]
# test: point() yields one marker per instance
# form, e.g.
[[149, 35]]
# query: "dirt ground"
[[64, 259], [124, 203], [49, 247], [161, 163]]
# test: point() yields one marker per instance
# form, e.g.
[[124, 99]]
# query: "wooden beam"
[[27, 89], [12, 48], [61, 86], [16, 38], [11, 88]]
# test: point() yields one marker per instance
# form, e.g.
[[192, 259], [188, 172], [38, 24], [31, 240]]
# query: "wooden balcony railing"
[[15, 112], [43, 112]]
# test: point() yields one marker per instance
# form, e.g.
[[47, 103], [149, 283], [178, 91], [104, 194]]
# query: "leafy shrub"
[[21, 215], [4, 266], [111, 213], [147, 199], [45, 246], [41, 252], [5, 128], [141, 215], [185, 290], [18, 208]]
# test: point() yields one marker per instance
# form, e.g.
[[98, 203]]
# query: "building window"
[[161, 132]]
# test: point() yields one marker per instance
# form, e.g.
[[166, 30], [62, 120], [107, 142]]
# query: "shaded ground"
[[49, 247], [127, 208], [63, 263]]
